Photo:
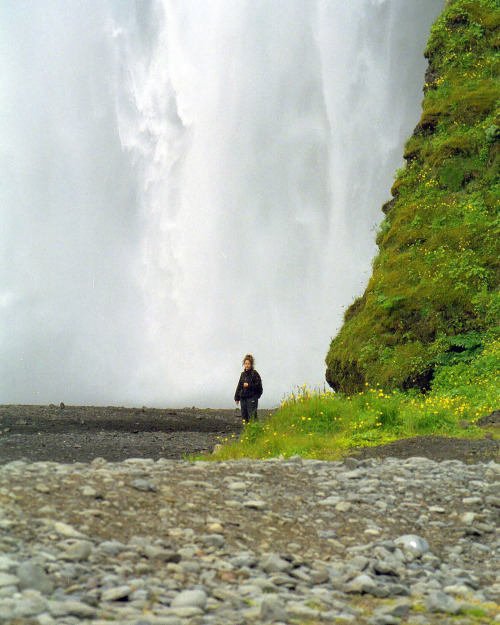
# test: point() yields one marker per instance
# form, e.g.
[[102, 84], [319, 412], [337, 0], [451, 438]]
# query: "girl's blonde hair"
[[250, 358]]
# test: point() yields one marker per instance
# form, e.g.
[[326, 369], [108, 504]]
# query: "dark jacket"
[[254, 388]]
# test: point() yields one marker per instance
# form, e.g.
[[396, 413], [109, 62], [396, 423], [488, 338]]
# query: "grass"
[[325, 425]]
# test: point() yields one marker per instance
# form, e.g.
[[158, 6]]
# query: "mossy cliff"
[[433, 298]]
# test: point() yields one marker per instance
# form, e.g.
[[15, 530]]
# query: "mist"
[[183, 183]]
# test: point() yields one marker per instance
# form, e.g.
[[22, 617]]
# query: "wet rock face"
[[371, 542], [432, 75], [490, 421]]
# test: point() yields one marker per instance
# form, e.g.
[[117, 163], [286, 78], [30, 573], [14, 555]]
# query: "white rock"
[[441, 602], [468, 518], [238, 486], [79, 551], [115, 594], [413, 546], [272, 609], [7, 563], [343, 506], [67, 530], [190, 599], [255, 504], [8, 580]]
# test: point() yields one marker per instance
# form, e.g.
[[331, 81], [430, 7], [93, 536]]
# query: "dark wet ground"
[[82, 433]]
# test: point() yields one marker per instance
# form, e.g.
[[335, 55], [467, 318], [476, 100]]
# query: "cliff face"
[[433, 298]]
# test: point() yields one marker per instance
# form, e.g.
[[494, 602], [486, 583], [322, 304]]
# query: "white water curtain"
[[183, 182]]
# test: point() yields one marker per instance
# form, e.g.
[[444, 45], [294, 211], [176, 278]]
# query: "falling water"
[[183, 182]]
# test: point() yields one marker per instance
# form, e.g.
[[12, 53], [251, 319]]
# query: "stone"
[[333, 500], [190, 599], [412, 546], [71, 608], [468, 518], [78, 551], [471, 501], [144, 485], [272, 609], [215, 528], [399, 608], [441, 602], [32, 575], [275, 564], [187, 612], [459, 590], [112, 547], [383, 619], [298, 610], [8, 580], [297, 560], [238, 486], [45, 619], [320, 575], [67, 530], [116, 594], [360, 584], [214, 540], [343, 506], [7, 563], [27, 606], [255, 504], [493, 592]]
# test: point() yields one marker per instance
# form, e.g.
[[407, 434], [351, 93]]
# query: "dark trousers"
[[249, 408]]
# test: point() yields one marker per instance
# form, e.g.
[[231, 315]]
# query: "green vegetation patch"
[[435, 279], [326, 425]]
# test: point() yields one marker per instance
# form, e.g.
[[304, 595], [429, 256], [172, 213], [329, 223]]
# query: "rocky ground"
[[82, 433], [90, 539]]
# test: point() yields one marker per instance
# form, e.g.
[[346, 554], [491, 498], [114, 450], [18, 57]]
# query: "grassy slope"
[[433, 298]]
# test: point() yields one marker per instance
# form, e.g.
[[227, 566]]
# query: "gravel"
[[171, 542]]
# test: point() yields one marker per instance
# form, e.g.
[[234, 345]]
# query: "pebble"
[[374, 542], [116, 594], [190, 599], [78, 551], [8, 580], [32, 575], [443, 603], [412, 546]]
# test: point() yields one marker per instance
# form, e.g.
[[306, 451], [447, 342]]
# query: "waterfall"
[[183, 182]]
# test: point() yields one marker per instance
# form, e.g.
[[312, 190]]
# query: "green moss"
[[477, 104], [455, 145], [437, 272], [355, 308], [413, 147], [453, 175], [431, 117]]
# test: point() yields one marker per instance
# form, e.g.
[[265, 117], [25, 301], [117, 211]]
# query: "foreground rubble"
[[171, 542]]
